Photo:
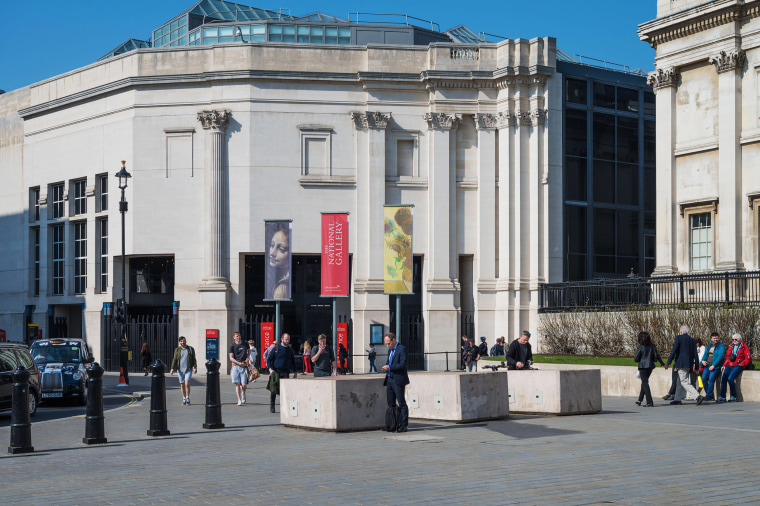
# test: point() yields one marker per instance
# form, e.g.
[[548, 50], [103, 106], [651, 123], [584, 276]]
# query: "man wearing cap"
[[684, 353], [520, 354]]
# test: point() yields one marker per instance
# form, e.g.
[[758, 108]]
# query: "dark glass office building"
[[609, 185]]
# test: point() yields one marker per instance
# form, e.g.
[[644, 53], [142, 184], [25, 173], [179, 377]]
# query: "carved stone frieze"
[[442, 120], [538, 117], [505, 119], [728, 61], [523, 118], [214, 120], [486, 121], [375, 120], [663, 78]]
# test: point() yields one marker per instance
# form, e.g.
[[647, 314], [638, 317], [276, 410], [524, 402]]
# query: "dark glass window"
[[604, 264], [649, 103], [103, 191], [80, 257], [650, 144], [649, 245], [103, 246], [36, 252], [628, 233], [604, 136], [627, 100], [576, 141], [604, 233], [152, 275], [604, 182], [575, 178], [34, 198], [628, 184], [575, 91], [650, 189], [80, 197], [59, 258], [57, 200], [627, 140], [576, 267], [650, 221], [604, 95], [575, 229]]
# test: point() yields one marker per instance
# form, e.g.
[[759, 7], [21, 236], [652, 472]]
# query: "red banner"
[[267, 338], [342, 331], [335, 255]]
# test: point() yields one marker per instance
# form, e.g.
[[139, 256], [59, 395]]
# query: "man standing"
[[396, 378], [712, 360], [465, 351], [520, 353], [281, 361], [323, 359], [238, 356], [186, 365], [685, 354]]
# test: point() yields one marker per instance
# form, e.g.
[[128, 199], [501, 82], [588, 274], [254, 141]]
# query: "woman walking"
[[147, 358], [646, 356]]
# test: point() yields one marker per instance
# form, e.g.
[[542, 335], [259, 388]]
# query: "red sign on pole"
[[2, 336], [335, 255], [342, 332], [267, 338], [212, 333]]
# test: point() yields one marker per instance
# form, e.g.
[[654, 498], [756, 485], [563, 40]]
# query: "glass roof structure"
[[319, 16], [125, 47], [463, 35]]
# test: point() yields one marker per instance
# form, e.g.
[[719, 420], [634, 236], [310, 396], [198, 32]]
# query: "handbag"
[[253, 373]]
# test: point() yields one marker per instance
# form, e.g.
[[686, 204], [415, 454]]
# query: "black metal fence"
[[612, 294], [159, 331], [413, 337]]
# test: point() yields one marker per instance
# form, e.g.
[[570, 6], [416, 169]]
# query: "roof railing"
[[406, 17]]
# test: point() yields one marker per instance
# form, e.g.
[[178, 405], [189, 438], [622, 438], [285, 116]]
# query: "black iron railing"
[[611, 294]]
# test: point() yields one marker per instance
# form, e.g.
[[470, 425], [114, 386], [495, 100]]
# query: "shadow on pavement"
[[530, 431]]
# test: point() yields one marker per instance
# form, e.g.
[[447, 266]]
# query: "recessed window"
[[102, 227], [36, 260], [59, 258], [80, 257], [604, 95], [80, 196], [34, 204], [103, 191], [56, 191], [575, 91], [700, 232]]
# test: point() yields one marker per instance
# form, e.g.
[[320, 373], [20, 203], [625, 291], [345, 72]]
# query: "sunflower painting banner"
[[398, 249]]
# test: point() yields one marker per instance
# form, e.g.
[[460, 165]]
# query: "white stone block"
[[457, 396]]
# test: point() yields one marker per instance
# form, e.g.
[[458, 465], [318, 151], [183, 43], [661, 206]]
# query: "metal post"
[[213, 396], [398, 317], [447, 361], [21, 426], [158, 422], [276, 321], [335, 327], [123, 210], [94, 430]]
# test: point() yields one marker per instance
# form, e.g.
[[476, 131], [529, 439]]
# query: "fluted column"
[[216, 259]]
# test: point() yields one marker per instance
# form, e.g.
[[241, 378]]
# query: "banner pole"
[[398, 317], [276, 321], [335, 326]]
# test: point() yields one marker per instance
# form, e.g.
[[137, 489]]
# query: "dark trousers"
[[396, 393], [124, 365], [283, 374], [645, 391]]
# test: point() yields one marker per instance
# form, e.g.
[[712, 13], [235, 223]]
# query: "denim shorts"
[[239, 374], [184, 376]]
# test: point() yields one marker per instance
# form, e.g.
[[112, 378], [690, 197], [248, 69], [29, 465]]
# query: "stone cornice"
[[663, 78], [216, 121], [728, 61], [370, 120], [694, 20], [442, 120]]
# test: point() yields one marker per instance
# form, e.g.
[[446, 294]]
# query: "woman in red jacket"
[[737, 358]]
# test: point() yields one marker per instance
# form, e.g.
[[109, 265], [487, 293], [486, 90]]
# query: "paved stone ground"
[[625, 455]]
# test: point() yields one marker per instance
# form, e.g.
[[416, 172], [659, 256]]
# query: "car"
[[11, 356], [62, 364]]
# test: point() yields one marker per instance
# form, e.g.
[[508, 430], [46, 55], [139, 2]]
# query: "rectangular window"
[[58, 208], [576, 140], [80, 257], [627, 140], [80, 197], [575, 178], [59, 258], [604, 95], [103, 254], [575, 91], [627, 100], [700, 230], [650, 106], [604, 182], [34, 204], [604, 136], [36, 260], [405, 157], [103, 192]]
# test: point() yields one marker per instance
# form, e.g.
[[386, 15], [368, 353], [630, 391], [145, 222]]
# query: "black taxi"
[[62, 364]]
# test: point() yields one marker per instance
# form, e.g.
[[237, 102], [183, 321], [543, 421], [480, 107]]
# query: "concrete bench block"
[[555, 392], [457, 396], [340, 404]]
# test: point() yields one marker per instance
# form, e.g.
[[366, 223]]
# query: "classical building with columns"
[[708, 134], [227, 120]]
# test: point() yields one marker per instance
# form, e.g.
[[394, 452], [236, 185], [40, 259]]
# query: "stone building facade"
[[708, 134]]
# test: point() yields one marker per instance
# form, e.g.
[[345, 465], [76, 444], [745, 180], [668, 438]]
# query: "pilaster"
[[485, 261]]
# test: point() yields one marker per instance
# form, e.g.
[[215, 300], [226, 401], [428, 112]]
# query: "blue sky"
[[45, 38]]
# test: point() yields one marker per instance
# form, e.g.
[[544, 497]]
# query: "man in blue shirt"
[[396, 378], [281, 360], [712, 366]]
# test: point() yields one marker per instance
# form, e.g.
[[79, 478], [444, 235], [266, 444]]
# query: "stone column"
[[216, 186], [505, 282], [729, 220], [485, 261], [369, 301], [664, 82], [441, 287]]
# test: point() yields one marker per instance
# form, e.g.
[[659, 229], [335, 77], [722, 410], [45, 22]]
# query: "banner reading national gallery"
[[398, 249], [278, 259], [334, 255]]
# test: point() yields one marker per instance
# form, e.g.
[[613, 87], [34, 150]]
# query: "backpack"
[[274, 348], [392, 418]]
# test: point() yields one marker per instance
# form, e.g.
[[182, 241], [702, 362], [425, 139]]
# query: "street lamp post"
[[123, 176]]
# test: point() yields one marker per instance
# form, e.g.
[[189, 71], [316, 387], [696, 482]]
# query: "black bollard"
[[158, 425], [94, 429], [21, 426], [213, 396]]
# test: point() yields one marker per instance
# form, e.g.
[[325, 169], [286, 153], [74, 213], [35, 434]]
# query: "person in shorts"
[[185, 364], [238, 356]]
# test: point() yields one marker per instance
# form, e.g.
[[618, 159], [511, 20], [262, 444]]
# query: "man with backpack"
[[281, 361], [497, 350]]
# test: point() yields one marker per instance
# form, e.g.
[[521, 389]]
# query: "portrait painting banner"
[[278, 235], [398, 249], [334, 255]]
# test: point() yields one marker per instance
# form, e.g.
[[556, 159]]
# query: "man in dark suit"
[[685, 354], [396, 378]]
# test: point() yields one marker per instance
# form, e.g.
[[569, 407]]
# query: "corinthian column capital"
[[728, 61], [486, 121], [214, 120], [663, 78], [375, 120], [441, 120]]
